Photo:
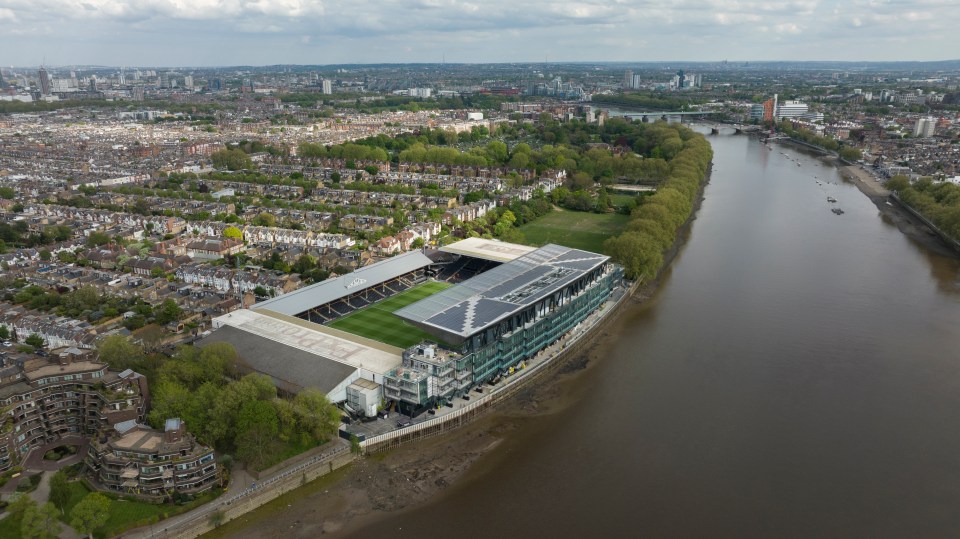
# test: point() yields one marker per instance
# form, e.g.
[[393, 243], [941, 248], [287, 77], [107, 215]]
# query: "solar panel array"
[[477, 303]]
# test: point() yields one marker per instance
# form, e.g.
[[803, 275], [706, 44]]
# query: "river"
[[797, 374]]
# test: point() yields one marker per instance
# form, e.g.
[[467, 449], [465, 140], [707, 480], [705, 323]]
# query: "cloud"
[[281, 31], [787, 28], [7, 15]]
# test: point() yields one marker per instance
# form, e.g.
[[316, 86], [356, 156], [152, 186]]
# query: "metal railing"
[[258, 493]]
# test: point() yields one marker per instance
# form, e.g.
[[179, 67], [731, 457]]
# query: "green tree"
[[35, 341], [222, 424], [4, 333], [19, 507], [67, 257], [7, 193], [232, 232], [59, 491], [265, 219], [603, 201], [304, 264], [258, 428], [168, 312], [234, 159], [171, 398], [141, 207], [316, 416], [637, 252], [120, 353], [97, 239], [40, 522], [90, 513], [850, 154], [217, 518], [45, 255], [355, 446], [898, 183]]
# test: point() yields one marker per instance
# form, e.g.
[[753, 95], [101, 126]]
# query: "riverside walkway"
[[241, 498]]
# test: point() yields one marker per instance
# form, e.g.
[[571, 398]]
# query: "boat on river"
[[831, 199], [837, 211]]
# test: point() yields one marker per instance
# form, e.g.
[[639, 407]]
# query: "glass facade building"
[[503, 322]]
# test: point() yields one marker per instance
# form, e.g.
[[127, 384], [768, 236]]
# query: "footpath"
[[246, 494]]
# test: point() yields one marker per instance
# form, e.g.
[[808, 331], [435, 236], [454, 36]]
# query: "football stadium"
[[414, 331]]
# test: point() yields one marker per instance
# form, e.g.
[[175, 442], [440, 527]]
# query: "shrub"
[[27, 484]]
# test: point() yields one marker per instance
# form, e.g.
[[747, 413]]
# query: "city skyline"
[[229, 32]]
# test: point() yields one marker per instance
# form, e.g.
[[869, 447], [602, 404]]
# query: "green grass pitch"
[[377, 321]]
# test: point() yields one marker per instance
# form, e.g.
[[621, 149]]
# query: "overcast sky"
[[261, 32]]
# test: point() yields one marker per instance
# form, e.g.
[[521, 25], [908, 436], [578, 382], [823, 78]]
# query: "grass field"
[[124, 513], [377, 321], [619, 200], [580, 230], [128, 513]]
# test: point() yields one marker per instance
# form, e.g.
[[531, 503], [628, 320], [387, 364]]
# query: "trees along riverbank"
[[938, 202], [847, 153], [654, 224]]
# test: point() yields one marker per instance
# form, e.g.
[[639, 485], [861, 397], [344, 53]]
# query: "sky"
[[266, 32]]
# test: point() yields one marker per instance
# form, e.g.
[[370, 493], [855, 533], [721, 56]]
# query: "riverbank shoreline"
[[413, 474], [909, 225], [870, 186]]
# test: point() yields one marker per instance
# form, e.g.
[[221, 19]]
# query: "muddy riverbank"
[[908, 224]]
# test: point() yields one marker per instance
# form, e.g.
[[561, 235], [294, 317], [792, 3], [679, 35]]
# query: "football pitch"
[[377, 321]]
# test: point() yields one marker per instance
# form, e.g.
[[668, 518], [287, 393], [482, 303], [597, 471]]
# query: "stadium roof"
[[496, 251], [292, 369], [298, 351], [477, 303], [314, 295]]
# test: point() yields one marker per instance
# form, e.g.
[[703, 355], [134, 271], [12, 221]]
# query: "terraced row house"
[[468, 212], [55, 214], [56, 331], [376, 198], [224, 279], [302, 238], [365, 223], [213, 248]]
